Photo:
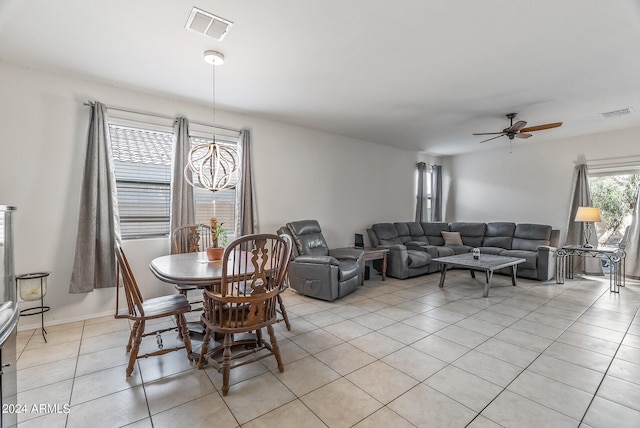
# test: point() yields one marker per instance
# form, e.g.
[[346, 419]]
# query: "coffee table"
[[486, 263]]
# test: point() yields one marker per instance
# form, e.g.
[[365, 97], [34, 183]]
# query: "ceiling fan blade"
[[523, 135], [516, 127], [484, 141], [490, 133], [541, 127]]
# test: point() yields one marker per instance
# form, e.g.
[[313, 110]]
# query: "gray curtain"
[[632, 245], [421, 197], [182, 200], [581, 197], [94, 264], [436, 193], [247, 220]]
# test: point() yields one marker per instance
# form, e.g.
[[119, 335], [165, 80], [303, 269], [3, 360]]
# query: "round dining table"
[[191, 269]]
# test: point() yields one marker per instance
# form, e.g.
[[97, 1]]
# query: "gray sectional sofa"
[[412, 245]]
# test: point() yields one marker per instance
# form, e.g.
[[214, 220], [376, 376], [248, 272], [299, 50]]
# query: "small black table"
[[486, 263]]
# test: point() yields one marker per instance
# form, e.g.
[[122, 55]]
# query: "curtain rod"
[[612, 159], [162, 116]]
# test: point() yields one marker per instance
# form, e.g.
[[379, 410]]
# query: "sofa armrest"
[[393, 247], [546, 262], [320, 260], [346, 253], [543, 249]]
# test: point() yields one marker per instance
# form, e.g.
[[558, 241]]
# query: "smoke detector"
[[208, 24], [617, 113]]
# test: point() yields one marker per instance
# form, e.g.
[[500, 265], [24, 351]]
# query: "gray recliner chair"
[[320, 272]]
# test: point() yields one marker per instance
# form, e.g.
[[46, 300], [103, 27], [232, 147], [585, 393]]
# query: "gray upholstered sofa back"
[[531, 236], [499, 234], [507, 235], [472, 234]]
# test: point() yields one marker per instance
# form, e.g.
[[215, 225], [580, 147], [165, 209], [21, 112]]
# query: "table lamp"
[[587, 215]]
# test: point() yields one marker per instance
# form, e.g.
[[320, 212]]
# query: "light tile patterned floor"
[[394, 353]]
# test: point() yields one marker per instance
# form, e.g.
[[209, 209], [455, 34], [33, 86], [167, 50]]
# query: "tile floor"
[[394, 353]]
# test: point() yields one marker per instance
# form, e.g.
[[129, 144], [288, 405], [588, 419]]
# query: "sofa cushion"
[[530, 257], [403, 232], [499, 234], [418, 258], [387, 233], [445, 251], [531, 236], [461, 249], [416, 232], [472, 233], [451, 238], [491, 250], [432, 232]]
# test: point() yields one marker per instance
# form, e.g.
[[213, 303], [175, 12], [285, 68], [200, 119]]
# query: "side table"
[[616, 256], [370, 254]]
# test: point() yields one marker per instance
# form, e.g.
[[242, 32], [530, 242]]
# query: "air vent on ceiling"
[[208, 24], [617, 113]]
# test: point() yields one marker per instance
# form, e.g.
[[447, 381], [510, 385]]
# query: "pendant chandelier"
[[212, 166]]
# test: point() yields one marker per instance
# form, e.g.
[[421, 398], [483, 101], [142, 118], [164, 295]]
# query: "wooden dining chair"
[[246, 300], [191, 238], [283, 231], [140, 311]]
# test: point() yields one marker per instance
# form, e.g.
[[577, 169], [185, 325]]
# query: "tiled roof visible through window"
[[141, 145]]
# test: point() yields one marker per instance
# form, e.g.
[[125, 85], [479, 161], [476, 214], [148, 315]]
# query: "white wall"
[[345, 184], [532, 184]]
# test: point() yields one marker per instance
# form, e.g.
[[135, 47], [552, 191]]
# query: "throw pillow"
[[452, 238]]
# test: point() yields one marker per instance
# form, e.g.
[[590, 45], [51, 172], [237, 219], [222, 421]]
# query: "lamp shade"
[[590, 214]]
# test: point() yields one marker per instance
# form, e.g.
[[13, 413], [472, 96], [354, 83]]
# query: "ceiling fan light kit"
[[518, 130]]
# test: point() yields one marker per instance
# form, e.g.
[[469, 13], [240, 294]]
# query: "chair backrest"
[[308, 238], [191, 238], [129, 286], [253, 270]]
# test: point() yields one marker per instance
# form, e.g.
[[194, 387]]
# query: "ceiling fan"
[[518, 130]]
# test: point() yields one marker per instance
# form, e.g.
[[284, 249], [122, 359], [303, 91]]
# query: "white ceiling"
[[423, 75]]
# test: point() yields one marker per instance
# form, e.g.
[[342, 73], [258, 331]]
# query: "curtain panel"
[[247, 217], [426, 192], [632, 245], [182, 207], [581, 197], [94, 264], [436, 193], [421, 197]]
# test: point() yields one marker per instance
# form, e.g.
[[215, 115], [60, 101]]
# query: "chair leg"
[[276, 348], [133, 355], [226, 363], [283, 311], [182, 327], [205, 348], [134, 329]]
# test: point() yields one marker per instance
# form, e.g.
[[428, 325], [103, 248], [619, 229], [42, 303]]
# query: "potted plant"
[[218, 240]]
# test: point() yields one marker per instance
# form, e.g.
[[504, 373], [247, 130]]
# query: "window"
[[142, 163], [615, 195]]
